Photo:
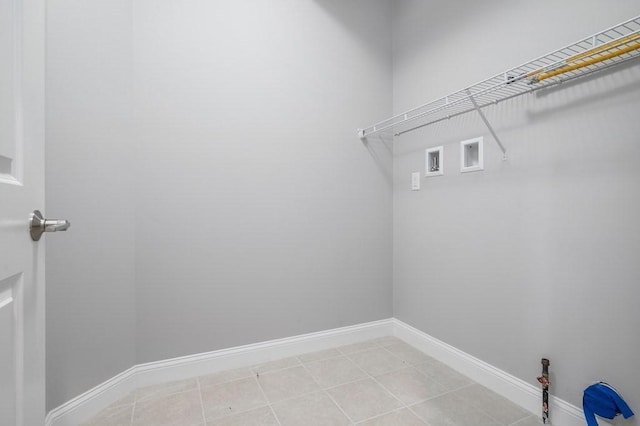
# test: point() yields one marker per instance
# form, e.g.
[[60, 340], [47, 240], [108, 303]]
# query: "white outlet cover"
[[415, 181]]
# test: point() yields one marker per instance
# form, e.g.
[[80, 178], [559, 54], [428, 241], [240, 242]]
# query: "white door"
[[22, 328]]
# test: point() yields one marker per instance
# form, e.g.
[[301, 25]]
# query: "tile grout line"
[[133, 411], [482, 410], [153, 396], [204, 417], [254, 368], [275, 416], [395, 410], [266, 404], [327, 393], [521, 420], [318, 359], [409, 407], [369, 376], [250, 373], [403, 405], [325, 390], [329, 387], [351, 422]]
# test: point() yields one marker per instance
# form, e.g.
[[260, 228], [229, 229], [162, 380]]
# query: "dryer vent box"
[[471, 155]]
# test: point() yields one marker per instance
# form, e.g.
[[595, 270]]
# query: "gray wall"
[[238, 205], [536, 256], [260, 214], [89, 175]]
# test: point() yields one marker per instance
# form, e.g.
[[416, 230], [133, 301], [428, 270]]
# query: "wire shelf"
[[600, 51]]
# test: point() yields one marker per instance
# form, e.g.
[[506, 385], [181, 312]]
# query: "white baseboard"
[[516, 390], [85, 406]]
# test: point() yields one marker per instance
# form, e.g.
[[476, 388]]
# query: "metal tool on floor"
[[544, 380]]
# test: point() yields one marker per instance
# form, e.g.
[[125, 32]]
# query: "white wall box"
[[471, 155], [434, 161]]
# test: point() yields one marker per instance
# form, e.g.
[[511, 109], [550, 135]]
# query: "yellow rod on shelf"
[[600, 58], [598, 49], [606, 46]]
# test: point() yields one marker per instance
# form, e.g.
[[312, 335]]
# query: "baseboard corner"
[[514, 389]]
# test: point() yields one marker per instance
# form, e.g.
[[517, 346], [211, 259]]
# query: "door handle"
[[39, 225]]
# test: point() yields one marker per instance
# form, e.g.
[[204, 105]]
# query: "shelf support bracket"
[[486, 122]]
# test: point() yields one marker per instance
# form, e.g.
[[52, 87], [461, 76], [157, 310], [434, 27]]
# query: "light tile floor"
[[380, 382]]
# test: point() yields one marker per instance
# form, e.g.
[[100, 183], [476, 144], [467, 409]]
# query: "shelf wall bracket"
[[486, 122]]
